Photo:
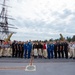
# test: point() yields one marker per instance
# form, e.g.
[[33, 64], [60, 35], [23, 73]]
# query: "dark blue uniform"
[[25, 50], [50, 49], [29, 48], [60, 50], [66, 49], [55, 49]]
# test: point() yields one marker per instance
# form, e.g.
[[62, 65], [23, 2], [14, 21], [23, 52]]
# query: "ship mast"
[[4, 25]]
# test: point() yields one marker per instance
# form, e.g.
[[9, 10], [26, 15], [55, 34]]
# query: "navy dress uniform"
[[55, 50], [48, 50], [66, 49]]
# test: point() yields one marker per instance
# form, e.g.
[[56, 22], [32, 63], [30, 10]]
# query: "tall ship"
[[4, 24]]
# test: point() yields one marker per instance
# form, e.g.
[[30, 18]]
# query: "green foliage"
[[69, 39], [73, 38]]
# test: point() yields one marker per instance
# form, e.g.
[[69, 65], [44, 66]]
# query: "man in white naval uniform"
[[74, 50]]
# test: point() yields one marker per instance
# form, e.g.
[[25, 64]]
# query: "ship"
[[5, 33]]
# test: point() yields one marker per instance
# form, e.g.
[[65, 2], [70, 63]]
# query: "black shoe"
[[0, 56], [73, 57], [70, 57]]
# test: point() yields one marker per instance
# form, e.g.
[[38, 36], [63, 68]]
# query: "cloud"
[[42, 19]]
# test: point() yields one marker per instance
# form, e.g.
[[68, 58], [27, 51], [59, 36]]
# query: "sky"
[[41, 19]]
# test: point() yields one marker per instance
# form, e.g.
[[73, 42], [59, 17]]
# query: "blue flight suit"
[[29, 48], [51, 49], [25, 50]]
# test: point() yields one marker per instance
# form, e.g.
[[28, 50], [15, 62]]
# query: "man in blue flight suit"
[[29, 48], [51, 49], [25, 50]]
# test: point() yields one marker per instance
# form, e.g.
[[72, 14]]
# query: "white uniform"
[[40, 52], [7, 50], [45, 51], [1, 50], [35, 52], [74, 50], [71, 50]]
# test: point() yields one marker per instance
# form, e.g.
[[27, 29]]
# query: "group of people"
[[38, 49]]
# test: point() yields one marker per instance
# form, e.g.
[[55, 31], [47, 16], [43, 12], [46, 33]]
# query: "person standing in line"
[[51, 49], [40, 48], [29, 48], [55, 50], [71, 50], [66, 49], [45, 50], [9, 50], [1, 50], [25, 49], [61, 49], [2, 47], [21, 49], [48, 50], [6, 45], [74, 50], [35, 49], [13, 48], [58, 49], [16, 49]]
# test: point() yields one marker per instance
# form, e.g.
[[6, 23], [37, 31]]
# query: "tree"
[[51, 39], [73, 38], [69, 39]]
